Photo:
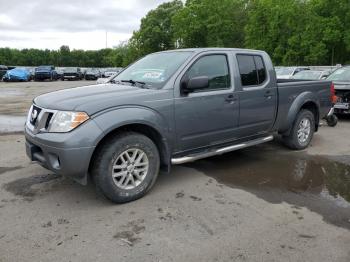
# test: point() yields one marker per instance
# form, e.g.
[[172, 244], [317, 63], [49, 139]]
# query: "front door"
[[209, 116]]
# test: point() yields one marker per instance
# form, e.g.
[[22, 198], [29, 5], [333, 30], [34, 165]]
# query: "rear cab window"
[[252, 70]]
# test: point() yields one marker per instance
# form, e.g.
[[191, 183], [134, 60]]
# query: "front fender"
[[112, 119], [116, 117], [294, 109]]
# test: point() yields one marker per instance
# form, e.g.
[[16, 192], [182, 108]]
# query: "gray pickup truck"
[[170, 108]]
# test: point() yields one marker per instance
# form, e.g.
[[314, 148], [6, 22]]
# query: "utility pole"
[[106, 39]]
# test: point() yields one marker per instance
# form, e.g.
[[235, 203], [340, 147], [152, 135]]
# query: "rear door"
[[257, 95], [209, 116]]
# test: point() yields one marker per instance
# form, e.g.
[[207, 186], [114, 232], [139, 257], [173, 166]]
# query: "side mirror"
[[196, 83]]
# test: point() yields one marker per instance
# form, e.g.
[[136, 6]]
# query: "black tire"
[[292, 141], [109, 153], [332, 120]]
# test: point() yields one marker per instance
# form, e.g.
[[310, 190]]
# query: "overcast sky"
[[81, 24]]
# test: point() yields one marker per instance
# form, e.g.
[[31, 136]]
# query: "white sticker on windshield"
[[152, 75]]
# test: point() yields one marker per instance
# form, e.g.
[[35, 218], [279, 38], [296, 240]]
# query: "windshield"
[[285, 71], [70, 70], [308, 75], [154, 69], [43, 68], [278, 69], [92, 71], [342, 74]]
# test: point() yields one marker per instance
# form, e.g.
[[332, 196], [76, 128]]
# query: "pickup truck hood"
[[341, 85], [95, 98]]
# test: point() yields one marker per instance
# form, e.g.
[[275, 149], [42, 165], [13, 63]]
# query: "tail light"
[[333, 96]]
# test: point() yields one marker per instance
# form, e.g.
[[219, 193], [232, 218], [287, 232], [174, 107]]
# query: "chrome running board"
[[220, 151]]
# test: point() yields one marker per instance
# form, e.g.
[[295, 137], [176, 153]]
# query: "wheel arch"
[[141, 128], [307, 101]]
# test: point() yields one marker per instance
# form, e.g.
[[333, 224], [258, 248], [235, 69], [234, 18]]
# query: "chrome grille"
[[39, 119], [34, 115]]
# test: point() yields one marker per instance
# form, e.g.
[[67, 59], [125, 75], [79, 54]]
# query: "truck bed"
[[292, 90]]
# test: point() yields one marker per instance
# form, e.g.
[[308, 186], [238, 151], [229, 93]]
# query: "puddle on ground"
[[10, 124], [318, 183], [27, 187], [4, 169]]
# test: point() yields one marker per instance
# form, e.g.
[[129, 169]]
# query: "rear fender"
[[304, 99]]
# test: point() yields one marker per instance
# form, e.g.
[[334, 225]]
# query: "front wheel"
[[126, 167], [302, 131]]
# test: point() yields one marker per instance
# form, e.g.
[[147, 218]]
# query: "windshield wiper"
[[133, 82]]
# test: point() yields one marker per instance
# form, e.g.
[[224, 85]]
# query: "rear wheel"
[[302, 131], [126, 167]]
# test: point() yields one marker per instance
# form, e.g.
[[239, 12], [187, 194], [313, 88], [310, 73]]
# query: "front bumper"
[[91, 77], [73, 77], [14, 79], [68, 154], [342, 108], [42, 76]]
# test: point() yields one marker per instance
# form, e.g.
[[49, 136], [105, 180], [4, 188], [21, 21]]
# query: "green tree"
[[277, 26], [203, 23], [298, 32], [156, 32], [334, 20]]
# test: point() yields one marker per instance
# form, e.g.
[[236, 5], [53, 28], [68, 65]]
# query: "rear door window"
[[260, 68], [252, 70]]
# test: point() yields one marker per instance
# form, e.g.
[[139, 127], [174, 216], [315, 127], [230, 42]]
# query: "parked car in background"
[[32, 72], [3, 70], [170, 108], [17, 74], [72, 73], [93, 74], [311, 75], [103, 80], [341, 80], [45, 72], [59, 72], [111, 72], [289, 72]]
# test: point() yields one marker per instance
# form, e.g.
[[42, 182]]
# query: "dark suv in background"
[[45, 72], [73, 73], [93, 74]]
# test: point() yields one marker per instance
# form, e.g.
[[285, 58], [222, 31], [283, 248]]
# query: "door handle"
[[268, 94], [230, 99]]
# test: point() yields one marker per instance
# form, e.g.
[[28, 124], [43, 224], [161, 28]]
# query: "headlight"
[[64, 121]]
